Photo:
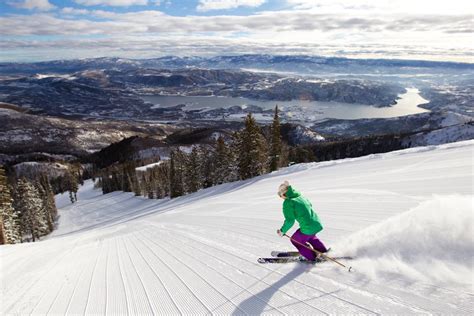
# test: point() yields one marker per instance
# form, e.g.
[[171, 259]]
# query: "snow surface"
[[452, 119], [406, 216], [442, 135]]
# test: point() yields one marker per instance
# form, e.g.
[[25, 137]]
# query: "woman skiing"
[[296, 207]]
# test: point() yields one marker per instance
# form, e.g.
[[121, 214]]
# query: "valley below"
[[80, 106]]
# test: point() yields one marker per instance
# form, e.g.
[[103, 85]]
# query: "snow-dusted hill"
[[406, 216]]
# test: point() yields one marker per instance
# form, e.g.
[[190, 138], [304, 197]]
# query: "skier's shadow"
[[256, 304]]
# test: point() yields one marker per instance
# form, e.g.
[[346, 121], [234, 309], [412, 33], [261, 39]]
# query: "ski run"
[[405, 217]]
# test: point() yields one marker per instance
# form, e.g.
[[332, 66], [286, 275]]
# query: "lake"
[[300, 110]]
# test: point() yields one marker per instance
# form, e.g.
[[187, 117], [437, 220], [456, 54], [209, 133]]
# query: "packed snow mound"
[[432, 242]]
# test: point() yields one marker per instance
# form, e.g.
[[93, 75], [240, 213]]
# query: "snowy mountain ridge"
[[405, 216]]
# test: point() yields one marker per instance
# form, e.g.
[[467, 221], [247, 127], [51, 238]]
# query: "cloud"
[[74, 11], [118, 3], [196, 45], [154, 21], [149, 33], [208, 5], [385, 6], [41, 5]]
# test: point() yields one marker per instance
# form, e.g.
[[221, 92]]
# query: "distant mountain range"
[[312, 64]]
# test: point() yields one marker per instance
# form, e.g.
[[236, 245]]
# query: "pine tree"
[[206, 166], [275, 144], [47, 196], [72, 185], [44, 206], [130, 181], [162, 180], [285, 153], [5, 207], [233, 156], [176, 173], [253, 156], [221, 161], [136, 185], [105, 180], [224, 163], [30, 206], [149, 189], [192, 171], [9, 221]]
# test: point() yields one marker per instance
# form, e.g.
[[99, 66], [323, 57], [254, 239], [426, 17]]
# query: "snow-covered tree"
[[72, 185], [225, 164], [192, 171], [49, 206], [176, 173], [30, 206], [9, 220], [161, 179], [206, 166]]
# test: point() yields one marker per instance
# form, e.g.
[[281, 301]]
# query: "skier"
[[296, 207]]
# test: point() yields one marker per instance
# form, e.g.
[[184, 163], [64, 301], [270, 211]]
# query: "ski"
[[284, 260], [289, 259]]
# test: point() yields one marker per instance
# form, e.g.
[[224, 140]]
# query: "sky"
[[37, 30]]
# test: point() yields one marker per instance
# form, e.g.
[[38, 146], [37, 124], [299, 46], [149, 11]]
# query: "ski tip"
[[350, 269]]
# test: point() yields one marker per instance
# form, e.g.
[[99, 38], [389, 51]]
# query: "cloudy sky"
[[35, 30]]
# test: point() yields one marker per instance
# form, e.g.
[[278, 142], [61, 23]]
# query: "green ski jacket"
[[296, 207]]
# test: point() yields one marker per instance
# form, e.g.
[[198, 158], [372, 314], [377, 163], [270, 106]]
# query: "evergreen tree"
[[224, 163], [9, 220], [115, 181], [233, 156], [72, 185], [105, 180], [129, 176], [275, 144], [285, 155], [206, 166], [176, 173], [136, 186], [192, 171], [253, 157], [30, 206], [162, 180], [3, 237], [221, 160], [5, 207], [45, 206], [47, 195], [147, 187]]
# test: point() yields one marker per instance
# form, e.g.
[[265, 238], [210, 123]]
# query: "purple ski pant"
[[312, 240]]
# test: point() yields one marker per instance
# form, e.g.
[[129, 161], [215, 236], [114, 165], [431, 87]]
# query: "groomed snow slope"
[[406, 215]]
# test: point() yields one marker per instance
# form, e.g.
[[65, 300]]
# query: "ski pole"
[[319, 253]]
